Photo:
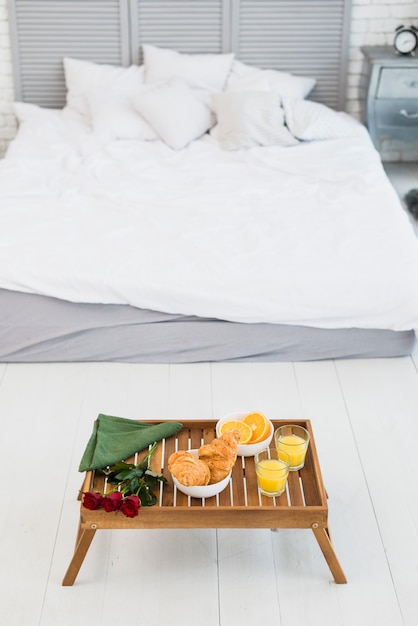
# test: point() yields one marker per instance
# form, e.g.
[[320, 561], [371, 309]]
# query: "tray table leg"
[[84, 539], [323, 538]]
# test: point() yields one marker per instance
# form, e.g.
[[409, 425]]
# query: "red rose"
[[92, 501], [112, 501], [130, 506]]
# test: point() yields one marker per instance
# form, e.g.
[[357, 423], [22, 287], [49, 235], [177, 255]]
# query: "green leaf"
[[118, 467], [151, 481], [113, 481], [134, 485], [147, 497], [127, 475], [155, 475]]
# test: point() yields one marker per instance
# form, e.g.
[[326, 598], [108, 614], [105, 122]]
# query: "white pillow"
[[174, 112], [48, 133], [27, 112], [250, 118], [310, 121], [114, 116], [250, 81], [287, 85], [83, 77], [208, 72], [64, 119]]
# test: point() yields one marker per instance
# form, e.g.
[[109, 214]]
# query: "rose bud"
[[92, 501], [112, 501], [130, 506]]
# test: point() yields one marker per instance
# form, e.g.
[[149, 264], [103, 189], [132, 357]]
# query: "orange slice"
[[259, 426], [244, 429]]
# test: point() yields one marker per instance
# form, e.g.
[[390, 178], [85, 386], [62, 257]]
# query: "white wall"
[[373, 23], [7, 120]]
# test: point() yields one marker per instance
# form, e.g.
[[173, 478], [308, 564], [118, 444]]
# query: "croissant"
[[188, 469], [220, 455]]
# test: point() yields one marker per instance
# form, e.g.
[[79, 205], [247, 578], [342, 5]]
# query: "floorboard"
[[369, 597], [383, 406]]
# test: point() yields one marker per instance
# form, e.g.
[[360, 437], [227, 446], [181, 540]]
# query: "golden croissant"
[[220, 455], [216, 459], [188, 469]]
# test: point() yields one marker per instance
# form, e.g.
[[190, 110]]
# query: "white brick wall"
[[373, 23], [7, 119]]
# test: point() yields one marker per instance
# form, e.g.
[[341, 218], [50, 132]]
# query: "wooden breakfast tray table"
[[302, 505]]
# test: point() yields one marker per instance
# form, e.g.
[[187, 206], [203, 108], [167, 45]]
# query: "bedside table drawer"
[[390, 106], [398, 83], [397, 113]]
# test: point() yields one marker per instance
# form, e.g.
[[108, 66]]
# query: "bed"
[[198, 208]]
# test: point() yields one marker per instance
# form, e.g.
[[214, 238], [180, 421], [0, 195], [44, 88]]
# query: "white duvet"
[[311, 235]]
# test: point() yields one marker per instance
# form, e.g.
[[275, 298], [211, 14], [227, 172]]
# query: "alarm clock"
[[406, 39]]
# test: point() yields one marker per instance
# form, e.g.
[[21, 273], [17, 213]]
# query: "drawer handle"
[[405, 113]]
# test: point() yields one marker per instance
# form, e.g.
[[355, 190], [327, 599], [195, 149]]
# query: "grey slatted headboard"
[[305, 37], [44, 31]]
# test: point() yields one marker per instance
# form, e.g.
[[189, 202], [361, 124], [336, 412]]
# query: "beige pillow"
[[249, 118]]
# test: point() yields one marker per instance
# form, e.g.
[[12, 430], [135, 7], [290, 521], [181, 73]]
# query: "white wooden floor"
[[365, 418]]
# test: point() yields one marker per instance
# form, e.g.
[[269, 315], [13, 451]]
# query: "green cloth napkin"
[[117, 438]]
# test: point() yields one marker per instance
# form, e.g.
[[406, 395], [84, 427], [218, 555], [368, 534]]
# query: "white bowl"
[[202, 491], [247, 449]]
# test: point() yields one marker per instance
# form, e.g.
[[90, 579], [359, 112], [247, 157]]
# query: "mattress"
[[42, 329]]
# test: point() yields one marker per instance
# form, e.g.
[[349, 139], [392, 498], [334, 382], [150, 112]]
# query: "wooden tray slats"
[[303, 488]]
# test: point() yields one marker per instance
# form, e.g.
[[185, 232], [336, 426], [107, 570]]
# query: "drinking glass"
[[293, 440], [272, 469]]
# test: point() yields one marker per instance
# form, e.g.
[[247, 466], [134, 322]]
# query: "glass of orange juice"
[[272, 469], [294, 440]]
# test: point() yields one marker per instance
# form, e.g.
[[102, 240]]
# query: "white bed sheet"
[[309, 235]]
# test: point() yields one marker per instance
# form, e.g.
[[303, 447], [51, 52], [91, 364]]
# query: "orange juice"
[[272, 476], [295, 447]]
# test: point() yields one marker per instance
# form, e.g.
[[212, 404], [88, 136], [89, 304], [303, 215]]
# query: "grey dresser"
[[390, 103]]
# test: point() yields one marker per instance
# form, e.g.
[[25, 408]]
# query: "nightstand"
[[390, 105]]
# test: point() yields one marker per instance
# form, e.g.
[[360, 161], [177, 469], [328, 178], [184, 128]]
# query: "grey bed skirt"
[[37, 328]]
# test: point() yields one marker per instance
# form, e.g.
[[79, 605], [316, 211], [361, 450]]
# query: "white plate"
[[203, 491]]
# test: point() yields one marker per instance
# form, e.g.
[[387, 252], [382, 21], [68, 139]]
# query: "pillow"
[[48, 133], [27, 112], [208, 72], [250, 118], [174, 112], [114, 116], [36, 115], [308, 120], [83, 77], [251, 81], [286, 85]]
